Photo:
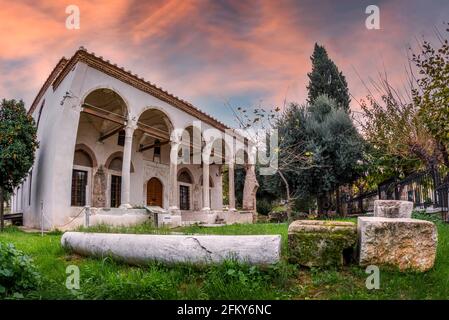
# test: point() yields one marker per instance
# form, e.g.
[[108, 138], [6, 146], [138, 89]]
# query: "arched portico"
[[149, 136]]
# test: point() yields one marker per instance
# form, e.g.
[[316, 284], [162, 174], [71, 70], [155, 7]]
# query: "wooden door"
[[154, 192]]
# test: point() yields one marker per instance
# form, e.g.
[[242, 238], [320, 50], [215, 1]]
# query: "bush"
[[264, 207], [17, 271], [278, 216], [304, 204]]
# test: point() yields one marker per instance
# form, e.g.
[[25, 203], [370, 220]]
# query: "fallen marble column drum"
[[141, 249]]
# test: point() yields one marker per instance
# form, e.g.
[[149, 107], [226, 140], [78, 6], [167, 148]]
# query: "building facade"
[[111, 141]]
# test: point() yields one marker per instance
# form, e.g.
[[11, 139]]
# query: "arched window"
[[82, 159], [116, 181], [185, 177], [116, 164], [185, 180], [82, 162]]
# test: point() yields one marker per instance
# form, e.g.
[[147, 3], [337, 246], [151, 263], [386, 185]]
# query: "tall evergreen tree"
[[334, 146], [325, 78]]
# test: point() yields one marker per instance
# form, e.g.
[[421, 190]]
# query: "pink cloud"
[[196, 48]]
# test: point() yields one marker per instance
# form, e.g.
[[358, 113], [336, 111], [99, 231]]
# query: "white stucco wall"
[[59, 132]]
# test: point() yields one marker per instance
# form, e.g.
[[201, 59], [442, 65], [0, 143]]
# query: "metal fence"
[[425, 189], [360, 204]]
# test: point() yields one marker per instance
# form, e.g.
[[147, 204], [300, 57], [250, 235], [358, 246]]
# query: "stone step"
[[211, 225], [190, 223]]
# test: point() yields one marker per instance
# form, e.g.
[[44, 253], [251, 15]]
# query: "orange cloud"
[[243, 50]]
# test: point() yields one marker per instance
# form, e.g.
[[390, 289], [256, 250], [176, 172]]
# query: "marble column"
[[173, 195], [206, 197], [231, 186], [126, 167]]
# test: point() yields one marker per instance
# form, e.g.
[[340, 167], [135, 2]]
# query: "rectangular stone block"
[[403, 243], [393, 208], [321, 243]]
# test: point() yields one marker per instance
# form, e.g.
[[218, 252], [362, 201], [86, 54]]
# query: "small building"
[[116, 143]]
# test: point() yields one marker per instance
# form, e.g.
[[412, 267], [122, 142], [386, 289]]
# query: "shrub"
[[17, 271], [264, 207]]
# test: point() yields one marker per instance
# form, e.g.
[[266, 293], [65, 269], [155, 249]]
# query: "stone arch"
[[194, 146], [221, 155], [183, 173], [113, 89], [169, 122], [115, 155], [84, 148]]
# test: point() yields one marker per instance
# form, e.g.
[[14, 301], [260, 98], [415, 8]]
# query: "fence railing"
[[360, 204], [425, 189]]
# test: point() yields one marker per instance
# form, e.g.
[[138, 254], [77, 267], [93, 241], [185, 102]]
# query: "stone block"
[[393, 208], [314, 243], [403, 243]]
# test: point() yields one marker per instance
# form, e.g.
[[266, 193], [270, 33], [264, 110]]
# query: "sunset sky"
[[209, 52]]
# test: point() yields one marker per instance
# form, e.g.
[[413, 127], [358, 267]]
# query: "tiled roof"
[[97, 62]]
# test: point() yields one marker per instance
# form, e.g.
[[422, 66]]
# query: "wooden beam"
[[103, 115], [110, 133], [150, 146], [153, 132]]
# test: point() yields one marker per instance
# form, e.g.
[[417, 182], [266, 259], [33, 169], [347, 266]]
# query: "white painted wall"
[[58, 133]]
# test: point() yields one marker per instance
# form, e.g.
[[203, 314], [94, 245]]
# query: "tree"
[[431, 94], [255, 120], [325, 78], [410, 126], [17, 147], [332, 143]]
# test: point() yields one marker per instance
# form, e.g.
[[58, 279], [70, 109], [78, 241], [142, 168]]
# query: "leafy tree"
[[17, 147], [325, 78], [330, 141], [431, 96], [409, 128]]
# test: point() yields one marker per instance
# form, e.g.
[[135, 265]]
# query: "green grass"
[[107, 279]]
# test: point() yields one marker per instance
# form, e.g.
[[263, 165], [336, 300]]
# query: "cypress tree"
[[326, 79]]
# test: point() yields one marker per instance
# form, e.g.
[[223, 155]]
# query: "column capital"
[[174, 143], [130, 126]]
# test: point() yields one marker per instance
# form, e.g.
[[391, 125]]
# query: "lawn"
[[106, 279]]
